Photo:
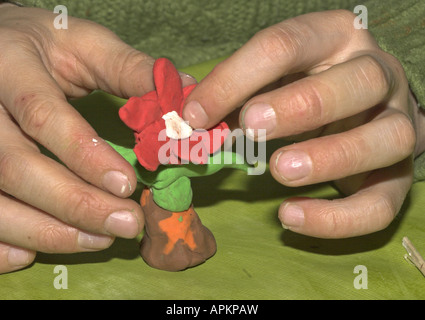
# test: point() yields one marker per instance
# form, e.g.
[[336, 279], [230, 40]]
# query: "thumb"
[[114, 66]]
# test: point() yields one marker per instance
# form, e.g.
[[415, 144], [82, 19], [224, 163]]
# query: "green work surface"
[[256, 258]]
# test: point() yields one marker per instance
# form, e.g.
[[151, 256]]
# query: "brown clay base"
[[174, 241]]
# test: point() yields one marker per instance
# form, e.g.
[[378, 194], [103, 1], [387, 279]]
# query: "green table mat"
[[256, 258]]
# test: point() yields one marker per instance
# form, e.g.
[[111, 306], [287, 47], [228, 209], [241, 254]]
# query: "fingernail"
[[259, 116], [293, 165], [196, 115], [92, 241], [291, 215], [18, 257], [122, 224], [117, 183], [187, 79]]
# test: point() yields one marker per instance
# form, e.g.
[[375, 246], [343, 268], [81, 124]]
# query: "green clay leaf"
[[176, 197], [167, 175]]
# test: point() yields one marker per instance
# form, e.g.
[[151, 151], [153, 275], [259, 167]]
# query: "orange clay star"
[[177, 227]]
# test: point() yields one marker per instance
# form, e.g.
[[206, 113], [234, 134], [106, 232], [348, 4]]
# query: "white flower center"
[[176, 127]]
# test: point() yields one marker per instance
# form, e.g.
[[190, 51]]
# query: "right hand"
[[350, 112]]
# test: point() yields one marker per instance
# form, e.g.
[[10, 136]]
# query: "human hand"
[[350, 106], [46, 206]]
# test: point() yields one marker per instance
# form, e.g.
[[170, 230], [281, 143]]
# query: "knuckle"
[[129, 64], [81, 151], [7, 166], [13, 168], [278, 41], [223, 88], [131, 59], [404, 134], [345, 153], [344, 20], [53, 238], [81, 203], [86, 153], [33, 113], [372, 212], [346, 17], [336, 222], [375, 76], [9, 36], [384, 208], [397, 71], [306, 105], [83, 208], [395, 64]]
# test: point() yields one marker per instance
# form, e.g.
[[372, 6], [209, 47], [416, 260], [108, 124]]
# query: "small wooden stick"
[[413, 255]]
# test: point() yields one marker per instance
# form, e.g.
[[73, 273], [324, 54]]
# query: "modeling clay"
[[168, 152]]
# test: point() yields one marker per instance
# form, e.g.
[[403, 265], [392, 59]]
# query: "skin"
[[81, 205], [320, 82]]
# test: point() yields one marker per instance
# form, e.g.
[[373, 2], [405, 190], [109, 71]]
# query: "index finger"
[[298, 44]]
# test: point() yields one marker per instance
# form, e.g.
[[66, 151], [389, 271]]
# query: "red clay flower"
[[144, 115]]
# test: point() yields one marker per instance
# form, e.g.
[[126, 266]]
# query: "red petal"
[[187, 90], [200, 144], [192, 149], [139, 112], [168, 85], [217, 135], [199, 148], [182, 149], [148, 145]]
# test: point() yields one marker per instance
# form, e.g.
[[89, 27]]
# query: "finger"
[[43, 113], [371, 209], [30, 228], [32, 178], [93, 57], [13, 258], [109, 63], [294, 45], [376, 144], [341, 91]]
